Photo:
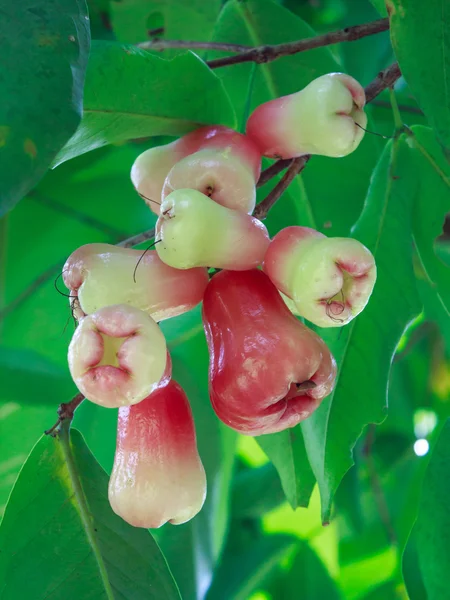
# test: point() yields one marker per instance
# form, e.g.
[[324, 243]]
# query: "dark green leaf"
[[59, 537], [364, 348], [241, 574], [131, 93], [193, 20], [45, 45], [420, 34], [307, 578], [27, 378], [433, 203], [432, 528], [256, 492], [287, 452], [380, 6]]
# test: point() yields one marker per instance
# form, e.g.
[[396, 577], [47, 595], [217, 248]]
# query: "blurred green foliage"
[[383, 488]]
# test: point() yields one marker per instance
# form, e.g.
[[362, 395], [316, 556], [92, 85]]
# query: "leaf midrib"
[[82, 506]]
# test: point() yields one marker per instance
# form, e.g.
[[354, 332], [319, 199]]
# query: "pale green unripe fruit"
[[219, 174], [329, 280], [325, 118], [195, 231]]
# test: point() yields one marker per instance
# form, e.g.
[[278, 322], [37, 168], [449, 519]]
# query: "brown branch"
[[297, 165], [265, 54], [273, 170], [187, 45], [65, 411], [138, 238], [384, 79]]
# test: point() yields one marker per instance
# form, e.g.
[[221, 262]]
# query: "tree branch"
[[265, 54], [383, 80], [297, 165], [188, 45], [65, 411], [139, 238], [273, 170]]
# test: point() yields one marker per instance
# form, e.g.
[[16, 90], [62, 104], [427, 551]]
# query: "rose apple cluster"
[[268, 370]]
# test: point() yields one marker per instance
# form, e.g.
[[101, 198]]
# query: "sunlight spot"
[[421, 447]]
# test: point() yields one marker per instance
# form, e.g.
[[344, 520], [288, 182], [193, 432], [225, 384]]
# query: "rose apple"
[[118, 356], [324, 118], [267, 370], [157, 475]]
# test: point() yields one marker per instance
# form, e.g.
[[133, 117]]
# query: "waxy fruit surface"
[[100, 275], [158, 476], [267, 370], [324, 118], [118, 356]]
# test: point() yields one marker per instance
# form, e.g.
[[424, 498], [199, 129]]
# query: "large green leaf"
[[364, 348], [241, 573], [287, 452], [306, 578], [193, 20], [337, 197], [432, 205], [131, 93], [27, 378], [45, 45], [432, 528], [59, 537], [256, 492], [420, 34]]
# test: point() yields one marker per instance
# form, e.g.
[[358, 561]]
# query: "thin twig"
[[265, 54], [66, 411], [273, 170], [185, 44], [384, 79], [403, 107], [139, 238], [377, 488], [297, 165]]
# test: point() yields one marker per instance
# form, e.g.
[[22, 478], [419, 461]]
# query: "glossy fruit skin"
[[258, 353], [319, 119], [151, 168], [219, 174], [118, 356], [195, 231], [99, 275], [158, 475], [330, 280]]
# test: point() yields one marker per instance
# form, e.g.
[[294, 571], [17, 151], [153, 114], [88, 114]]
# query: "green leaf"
[[432, 205], [240, 574], [380, 5], [28, 378], [256, 492], [364, 348], [193, 20], [131, 93], [45, 45], [420, 35], [307, 578], [338, 196], [287, 452], [432, 527], [59, 537]]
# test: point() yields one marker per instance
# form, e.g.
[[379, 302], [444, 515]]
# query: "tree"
[[85, 90]]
